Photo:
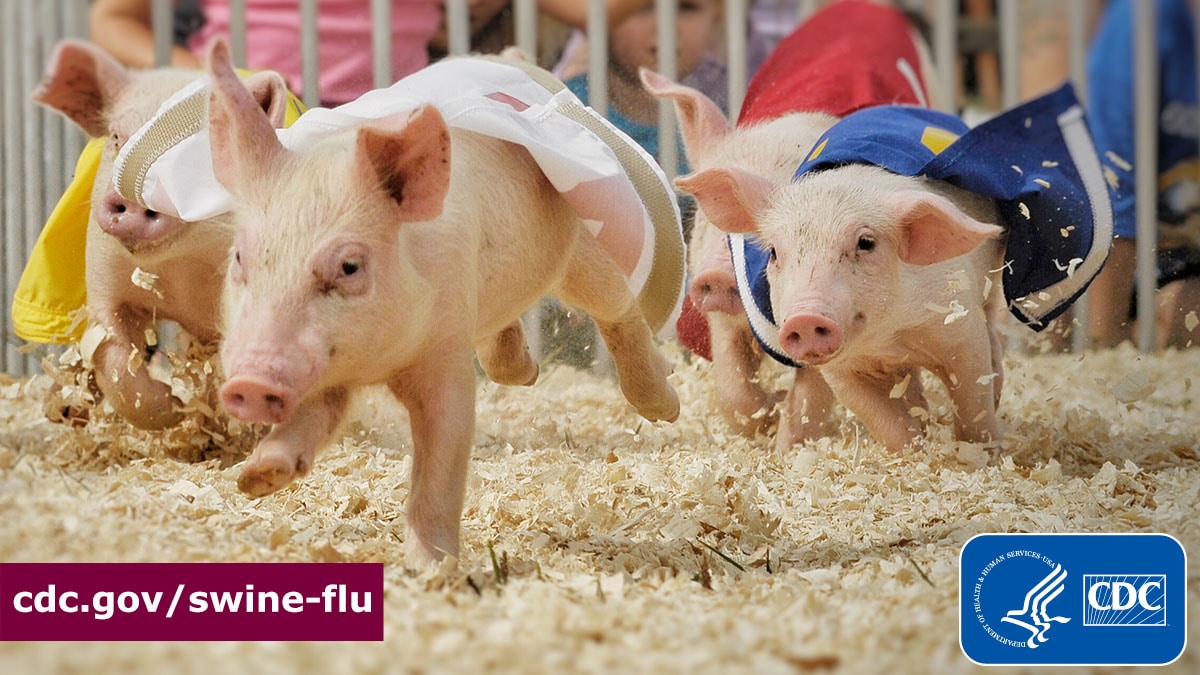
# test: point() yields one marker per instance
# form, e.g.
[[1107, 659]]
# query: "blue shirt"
[[1111, 110]]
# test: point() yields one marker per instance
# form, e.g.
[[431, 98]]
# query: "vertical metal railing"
[[39, 148]]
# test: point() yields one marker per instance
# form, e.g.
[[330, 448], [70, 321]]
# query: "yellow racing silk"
[[51, 292]]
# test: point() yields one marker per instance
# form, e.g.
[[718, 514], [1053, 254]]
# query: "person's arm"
[[123, 29], [574, 12]]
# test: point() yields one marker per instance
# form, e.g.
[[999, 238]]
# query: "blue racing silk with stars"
[[1036, 160]]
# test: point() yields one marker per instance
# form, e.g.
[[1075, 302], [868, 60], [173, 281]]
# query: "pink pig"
[[847, 56], [394, 253], [874, 275], [185, 261]]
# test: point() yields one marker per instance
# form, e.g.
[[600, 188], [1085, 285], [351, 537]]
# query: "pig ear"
[[731, 198], [409, 155], [934, 229], [242, 138], [701, 122], [269, 90], [81, 82]]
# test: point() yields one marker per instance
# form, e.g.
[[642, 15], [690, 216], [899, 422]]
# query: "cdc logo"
[[1072, 599], [1123, 600]]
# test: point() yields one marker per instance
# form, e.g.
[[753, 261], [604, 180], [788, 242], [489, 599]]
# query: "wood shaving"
[[145, 280], [1042, 181], [1118, 160], [680, 548]]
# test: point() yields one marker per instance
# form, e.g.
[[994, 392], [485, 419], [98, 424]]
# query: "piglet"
[[872, 277], [901, 235], [847, 56], [142, 266], [395, 252]]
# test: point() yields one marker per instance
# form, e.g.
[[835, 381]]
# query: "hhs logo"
[[1125, 600], [1073, 599]]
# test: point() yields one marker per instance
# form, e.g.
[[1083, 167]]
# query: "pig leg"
[[288, 451], [869, 396], [594, 283], [122, 376], [747, 408], [806, 409], [505, 356], [439, 394], [972, 379]]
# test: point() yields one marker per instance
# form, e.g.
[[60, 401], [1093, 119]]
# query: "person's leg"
[[1109, 296]]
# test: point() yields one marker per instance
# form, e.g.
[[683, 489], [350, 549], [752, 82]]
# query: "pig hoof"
[[267, 476]]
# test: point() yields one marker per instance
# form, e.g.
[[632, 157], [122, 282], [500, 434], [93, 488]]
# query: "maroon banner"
[[191, 601]]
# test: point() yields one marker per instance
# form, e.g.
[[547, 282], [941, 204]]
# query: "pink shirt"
[[343, 40]]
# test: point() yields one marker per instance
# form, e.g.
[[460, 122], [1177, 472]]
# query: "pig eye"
[[866, 243], [771, 254], [350, 267]]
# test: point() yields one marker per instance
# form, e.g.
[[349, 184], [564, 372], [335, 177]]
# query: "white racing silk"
[[618, 191]]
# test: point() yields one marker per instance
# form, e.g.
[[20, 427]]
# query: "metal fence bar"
[[945, 51], [525, 26], [668, 153], [1077, 35], [1145, 93], [735, 44], [381, 42], [12, 179], [597, 30], [310, 62], [458, 26], [1008, 13], [162, 16], [237, 31]]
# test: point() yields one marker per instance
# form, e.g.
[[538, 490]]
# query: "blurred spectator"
[[123, 27], [1111, 115], [633, 44]]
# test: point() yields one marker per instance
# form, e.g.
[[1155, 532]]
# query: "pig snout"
[[252, 399], [715, 290], [810, 337], [131, 222]]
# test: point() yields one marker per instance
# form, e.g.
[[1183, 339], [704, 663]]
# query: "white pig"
[[889, 249], [867, 266], [142, 266], [846, 56], [393, 253]]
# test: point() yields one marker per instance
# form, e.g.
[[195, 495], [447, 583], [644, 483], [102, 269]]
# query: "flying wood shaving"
[[901, 386], [1118, 160], [1049, 164], [1069, 267], [838, 517], [1024, 209], [1018, 169], [957, 311], [1111, 178], [1190, 321], [1043, 182], [1132, 388], [146, 280]]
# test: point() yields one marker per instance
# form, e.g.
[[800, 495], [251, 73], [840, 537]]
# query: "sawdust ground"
[[624, 546]]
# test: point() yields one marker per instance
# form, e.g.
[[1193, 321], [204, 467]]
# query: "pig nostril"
[[119, 208], [274, 402], [822, 331], [150, 214], [237, 399]]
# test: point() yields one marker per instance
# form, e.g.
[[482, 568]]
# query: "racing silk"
[[849, 56], [617, 190], [1036, 160]]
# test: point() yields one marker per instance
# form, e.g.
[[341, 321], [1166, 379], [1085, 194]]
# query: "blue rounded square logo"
[[1073, 599]]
